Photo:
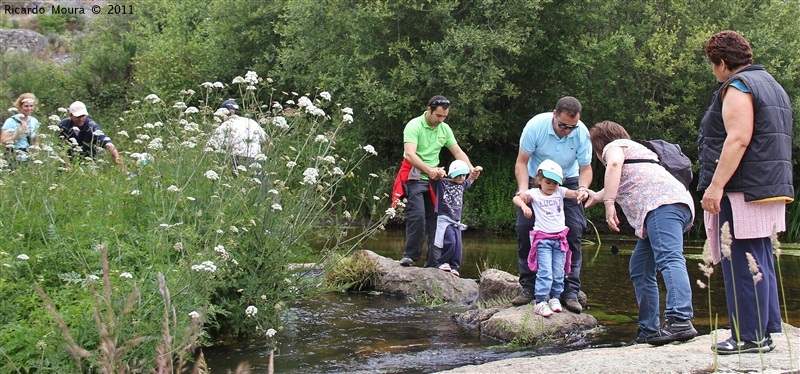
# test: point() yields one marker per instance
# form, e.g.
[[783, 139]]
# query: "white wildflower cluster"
[[136, 192], [173, 188], [310, 176], [310, 108], [303, 102], [277, 207], [205, 266], [391, 213], [251, 78], [280, 122], [325, 95], [347, 118], [156, 144], [191, 110], [54, 128], [210, 85], [222, 251], [152, 98], [191, 126], [222, 112], [291, 164], [211, 174], [126, 275], [329, 159], [314, 111], [54, 118], [251, 311], [179, 105], [347, 110], [23, 257], [271, 332], [238, 80], [193, 314], [370, 149], [187, 92], [321, 138], [123, 133], [337, 171]]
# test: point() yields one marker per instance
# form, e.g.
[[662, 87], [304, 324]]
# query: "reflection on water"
[[357, 333]]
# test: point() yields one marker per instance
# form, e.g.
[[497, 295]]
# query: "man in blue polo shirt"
[[562, 137]]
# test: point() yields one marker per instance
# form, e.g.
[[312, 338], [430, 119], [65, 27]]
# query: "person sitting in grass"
[[549, 247], [85, 135]]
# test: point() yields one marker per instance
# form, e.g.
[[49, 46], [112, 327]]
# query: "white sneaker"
[[555, 306], [445, 267], [543, 309]]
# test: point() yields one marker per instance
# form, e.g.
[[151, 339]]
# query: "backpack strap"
[[641, 160]]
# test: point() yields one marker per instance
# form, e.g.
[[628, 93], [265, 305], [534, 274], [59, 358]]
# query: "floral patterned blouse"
[[645, 186]]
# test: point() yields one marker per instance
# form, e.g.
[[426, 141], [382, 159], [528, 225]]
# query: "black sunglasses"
[[439, 102], [564, 126]]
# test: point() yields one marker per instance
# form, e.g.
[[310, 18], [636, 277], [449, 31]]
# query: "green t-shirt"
[[429, 141]]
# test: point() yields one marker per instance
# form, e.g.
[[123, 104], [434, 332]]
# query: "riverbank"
[[693, 356]]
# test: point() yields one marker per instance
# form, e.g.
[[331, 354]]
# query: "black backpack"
[[670, 157]]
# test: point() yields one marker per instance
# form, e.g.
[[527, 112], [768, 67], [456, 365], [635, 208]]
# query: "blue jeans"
[[662, 251], [550, 275]]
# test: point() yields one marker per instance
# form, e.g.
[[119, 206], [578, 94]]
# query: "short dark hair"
[[438, 101], [731, 47], [569, 105]]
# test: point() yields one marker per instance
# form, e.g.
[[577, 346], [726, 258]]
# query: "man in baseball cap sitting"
[[85, 135]]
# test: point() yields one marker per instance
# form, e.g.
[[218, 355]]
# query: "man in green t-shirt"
[[423, 138]]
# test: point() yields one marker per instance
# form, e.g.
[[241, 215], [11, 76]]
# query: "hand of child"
[[527, 212], [592, 200], [583, 194], [476, 171]]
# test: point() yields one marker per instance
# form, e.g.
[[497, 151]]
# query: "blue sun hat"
[[550, 169], [457, 168]]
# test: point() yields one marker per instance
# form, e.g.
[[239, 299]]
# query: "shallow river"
[[363, 333]]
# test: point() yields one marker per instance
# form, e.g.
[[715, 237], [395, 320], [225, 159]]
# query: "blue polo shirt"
[[539, 139]]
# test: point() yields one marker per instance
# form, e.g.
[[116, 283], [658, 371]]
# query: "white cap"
[[457, 168], [78, 109], [550, 169]]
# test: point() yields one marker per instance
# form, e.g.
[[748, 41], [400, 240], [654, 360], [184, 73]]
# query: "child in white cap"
[[449, 204], [549, 249]]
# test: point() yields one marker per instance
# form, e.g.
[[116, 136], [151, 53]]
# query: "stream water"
[[374, 333]]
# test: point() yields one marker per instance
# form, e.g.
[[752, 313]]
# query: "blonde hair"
[[24, 98]]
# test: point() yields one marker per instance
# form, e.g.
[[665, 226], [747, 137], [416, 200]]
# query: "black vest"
[[766, 167]]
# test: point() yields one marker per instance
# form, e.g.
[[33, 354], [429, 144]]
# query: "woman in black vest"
[[745, 151]]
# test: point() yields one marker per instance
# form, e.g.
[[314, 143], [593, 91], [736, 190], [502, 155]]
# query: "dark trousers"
[[420, 222], [576, 221], [753, 309], [451, 253]]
